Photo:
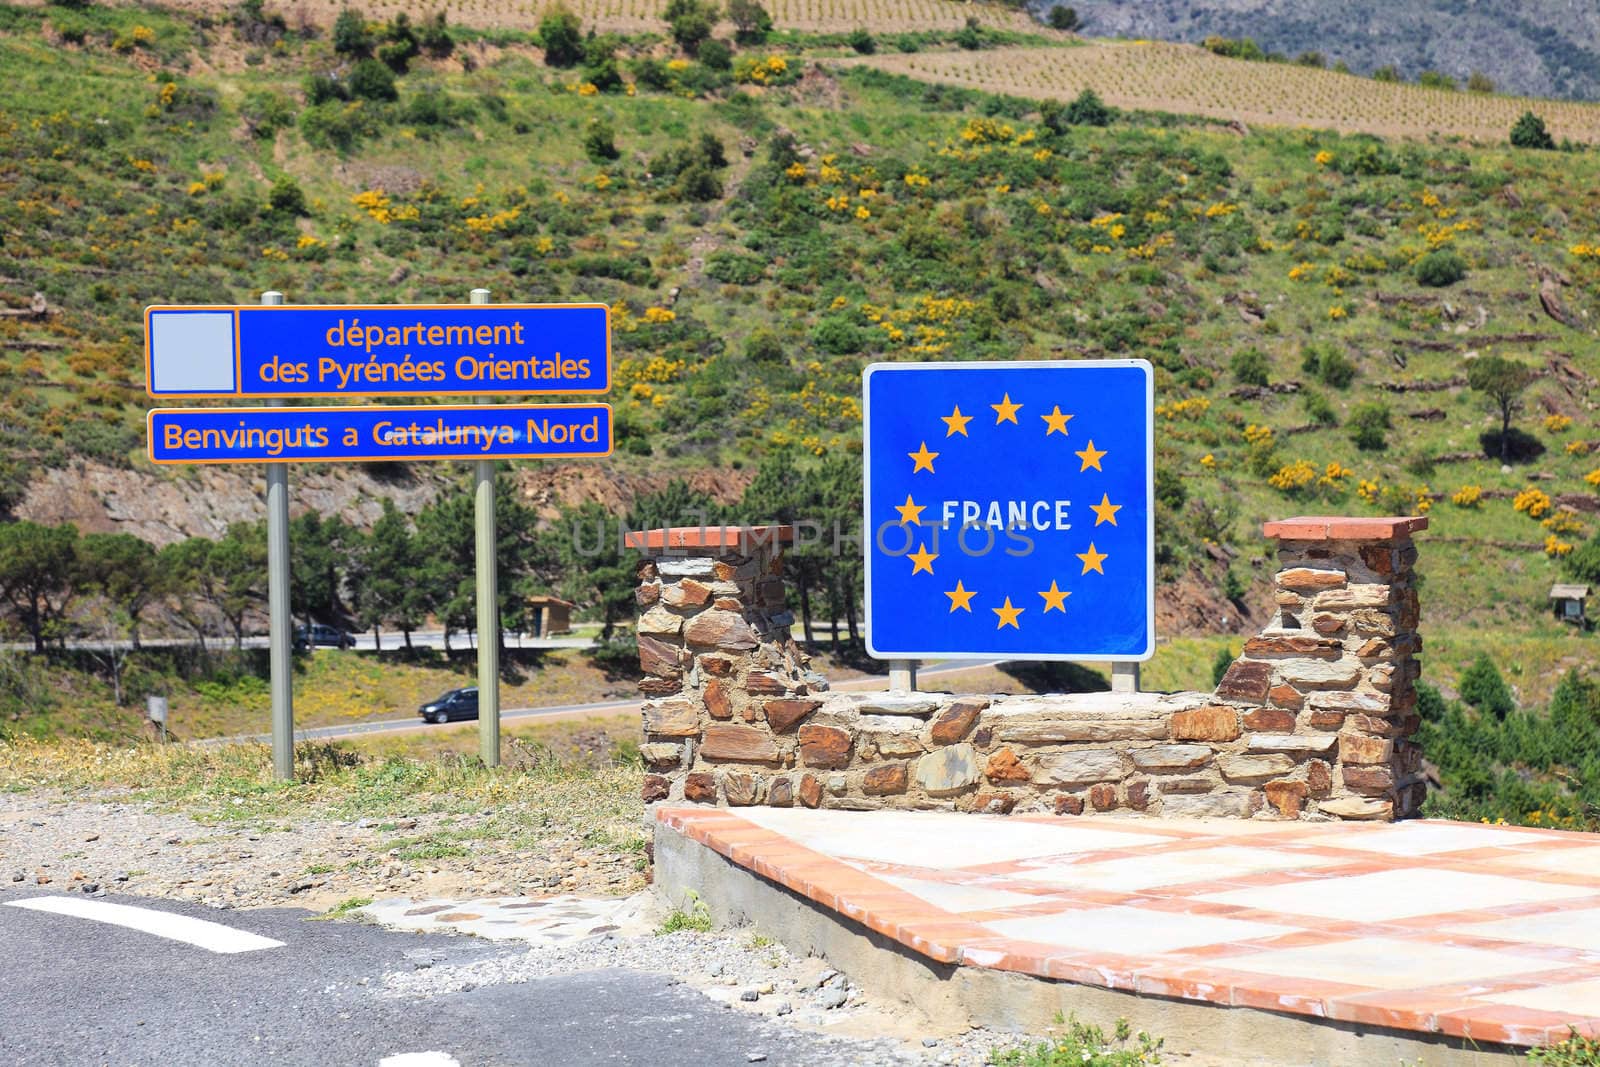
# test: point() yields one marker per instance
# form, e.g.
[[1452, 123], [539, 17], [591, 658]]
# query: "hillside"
[[764, 232], [1530, 47]]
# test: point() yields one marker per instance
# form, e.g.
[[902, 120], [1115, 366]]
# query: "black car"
[[456, 704], [319, 635]]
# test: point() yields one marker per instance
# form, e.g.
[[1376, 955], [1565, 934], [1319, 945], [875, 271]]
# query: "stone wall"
[[1312, 721]]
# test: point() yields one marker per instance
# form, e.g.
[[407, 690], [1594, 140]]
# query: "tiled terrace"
[[1483, 932]]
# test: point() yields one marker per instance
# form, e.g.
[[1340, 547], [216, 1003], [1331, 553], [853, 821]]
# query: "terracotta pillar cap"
[[728, 538], [1345, 528]]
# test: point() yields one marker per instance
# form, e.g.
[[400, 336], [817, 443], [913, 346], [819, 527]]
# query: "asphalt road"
[[410, 723], [76, 991]]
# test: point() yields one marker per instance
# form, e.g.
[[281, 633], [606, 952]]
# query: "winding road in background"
[[558, 712]]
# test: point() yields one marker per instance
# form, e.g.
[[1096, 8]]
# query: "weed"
[[696, 917]]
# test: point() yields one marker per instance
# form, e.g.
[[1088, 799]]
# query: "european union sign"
[[377, 350], [1010, 510], [351, 434]]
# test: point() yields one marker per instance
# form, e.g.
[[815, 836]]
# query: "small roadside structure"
[[551, 615], [1567, 600]]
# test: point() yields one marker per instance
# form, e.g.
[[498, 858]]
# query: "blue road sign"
[[354, 434], [377, 350], [1010, 510]]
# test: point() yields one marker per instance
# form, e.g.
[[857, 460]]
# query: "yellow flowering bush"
[[659, 316], [1258, 434], [1221, 209], [1557, 423], [1192, 408], [1563, 521], [916, 181], [1293, 478], [1468, 496], [1302, 271], [1577, 448], [1337, 312], [1584, 250], [1369, 490], [1554, 546], [1324, 158], [795, 172], [1424, 499], [1535, 502], [1593, 477], [1208, 461]]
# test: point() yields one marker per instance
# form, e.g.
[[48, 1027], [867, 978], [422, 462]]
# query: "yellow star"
[[922, 559], [1008, 616], [924, 459], [1090, 457], [960, 597], [1056, 598], [1006, 411], [1105, 511], [1091, 559], [1056, 422], [956, 422], [911, 512]]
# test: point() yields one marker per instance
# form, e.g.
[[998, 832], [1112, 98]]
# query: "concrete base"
[[955, 995]]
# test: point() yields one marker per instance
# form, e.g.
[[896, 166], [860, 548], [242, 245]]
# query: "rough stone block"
[[1171, 757], [1320, 674], [659, 622], [700, 787], [1327, 624], [1252, 768], [1286, 696], [1208, 805], [1370, 703], [742, 790], [735, 569], [1307, 647], [783, 714], [948, 771], [824, 746], [952, 725], [720, 629], [672, 718], [1245, 681], [1319, 778], [763, 684], [1269, 720], [1376, 623], [993, 803], [1354, 598], [1185, 785], [655, 788], [1066, 804], [891, 704], [1375, 780], [1325, 720], [647, 594], [1286, 796], [645, 571], [715, 695], [687, 567], [747, 744], [1292, 744], [661, 754], [661, 687], [1357, 808], [1359, 748], [884, 779], [1004, 767], [810, 790], [1103, 796], [688, 593], [780, 793], [1079, 766], [1139, 796], [1077, 725], [1306, 580], [716, 666], [1214, 723]]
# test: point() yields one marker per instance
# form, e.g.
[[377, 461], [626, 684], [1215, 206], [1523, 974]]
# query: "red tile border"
[[738, 538], [961, 937], [1343, 528]]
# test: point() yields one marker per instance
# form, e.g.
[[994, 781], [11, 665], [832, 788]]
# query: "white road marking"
[[420, 1059], [213, 937]]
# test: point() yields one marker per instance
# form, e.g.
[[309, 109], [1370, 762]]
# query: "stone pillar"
[[1326, 692], [725, 684]]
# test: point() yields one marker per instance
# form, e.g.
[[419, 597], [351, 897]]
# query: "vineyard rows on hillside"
[[1169, 77]]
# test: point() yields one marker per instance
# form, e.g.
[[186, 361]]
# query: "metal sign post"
[[488, 600], [280, 625]]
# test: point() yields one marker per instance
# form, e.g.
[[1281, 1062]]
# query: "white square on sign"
[[191, 352]]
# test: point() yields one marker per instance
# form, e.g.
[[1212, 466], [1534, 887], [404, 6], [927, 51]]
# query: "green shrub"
[[839, 336], [1479, 82], [1087, 109], [1220, 664], [337, 125], [1064, 19], [1575, 1051], [716, 55], [1318, 410], [734, 268], [1440, 268], [1482, 687], [751, 22], [600, 142], [286, 198], [862, 42], [561, 34], [1368, 425], [763, 346], [1083, 1045], [1433, 79], [1387, 73], [267, 112], [1529, 132], [371, 80], [971, 36], [350, 35], [1249, 366], [1170, 489]]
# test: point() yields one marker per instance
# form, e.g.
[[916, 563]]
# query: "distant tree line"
[[57, 585]]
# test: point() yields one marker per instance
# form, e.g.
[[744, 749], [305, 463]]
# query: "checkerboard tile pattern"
[[1490, 933]]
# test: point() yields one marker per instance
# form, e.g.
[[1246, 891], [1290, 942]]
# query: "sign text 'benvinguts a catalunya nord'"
[[368, 350]]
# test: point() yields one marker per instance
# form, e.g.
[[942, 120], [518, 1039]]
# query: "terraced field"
[[1158, 76], [644, 16]]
